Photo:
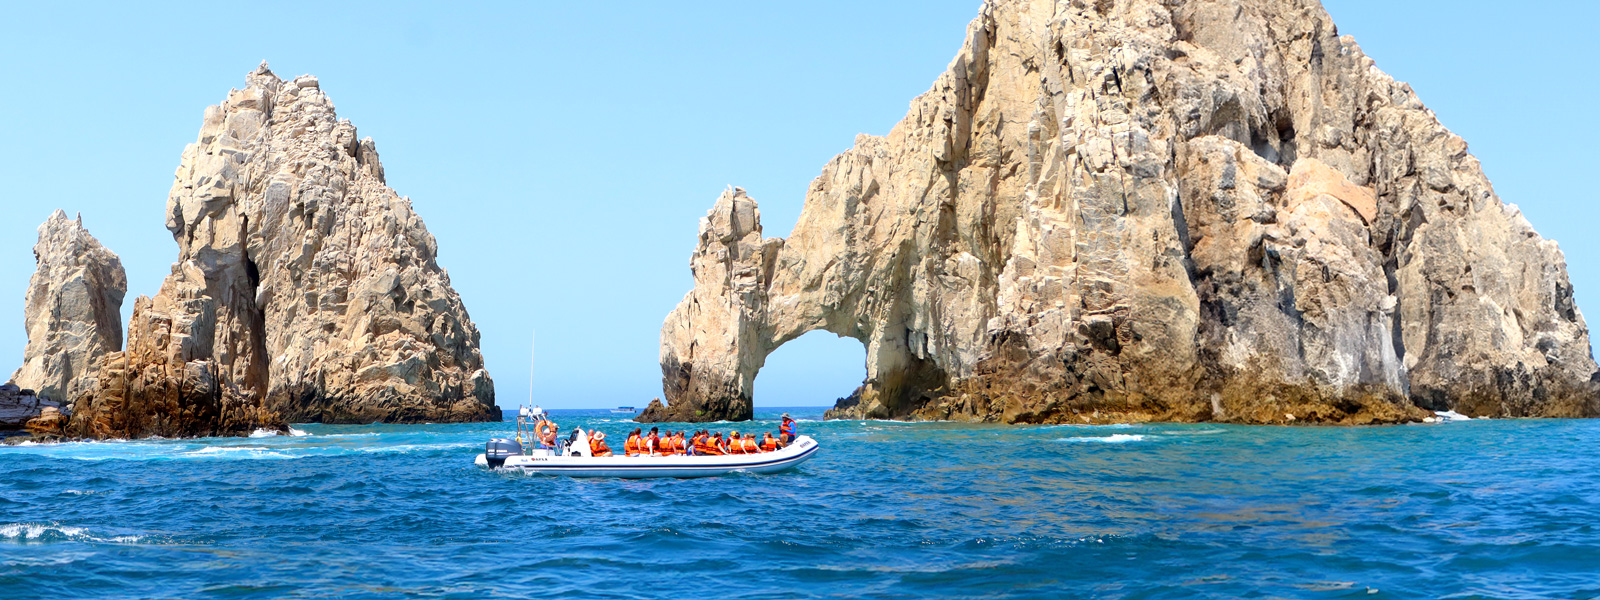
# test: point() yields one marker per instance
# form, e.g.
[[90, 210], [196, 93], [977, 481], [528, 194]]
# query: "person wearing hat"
[[597, 445], [786, 430]]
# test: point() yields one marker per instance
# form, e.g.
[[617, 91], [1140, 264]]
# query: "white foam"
[[38, 532], [243, 452], [407, 448], [1090, 426], [1115, 438], [297, 433], [1446, 416], [262, 433]]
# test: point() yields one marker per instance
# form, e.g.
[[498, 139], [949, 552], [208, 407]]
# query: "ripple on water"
[[886, 510]]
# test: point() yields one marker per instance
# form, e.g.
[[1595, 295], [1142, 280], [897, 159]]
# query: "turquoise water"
[[1504, 509]]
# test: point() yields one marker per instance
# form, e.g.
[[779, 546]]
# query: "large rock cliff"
[[305, 289], [1134, 210], [72, 311]]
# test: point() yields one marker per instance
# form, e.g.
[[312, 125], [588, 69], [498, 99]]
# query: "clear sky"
[[562, 153]]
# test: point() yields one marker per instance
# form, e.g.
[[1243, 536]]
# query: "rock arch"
[[1136, 210], [754, 294]]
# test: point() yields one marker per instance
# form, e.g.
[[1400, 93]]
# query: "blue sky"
[[562, 153]]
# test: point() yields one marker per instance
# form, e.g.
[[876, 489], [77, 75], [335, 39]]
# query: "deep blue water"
[[1504, 509]]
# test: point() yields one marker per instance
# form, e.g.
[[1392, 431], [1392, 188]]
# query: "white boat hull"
[[635, 467]]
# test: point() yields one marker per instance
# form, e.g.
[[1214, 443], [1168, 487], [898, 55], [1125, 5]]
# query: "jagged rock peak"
[[305, 289], [1137, 209], [72, 310]]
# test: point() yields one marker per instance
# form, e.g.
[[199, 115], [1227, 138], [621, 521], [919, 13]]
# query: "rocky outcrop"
[[72, 311], [18, 406], [1141, 210], [305, 289]]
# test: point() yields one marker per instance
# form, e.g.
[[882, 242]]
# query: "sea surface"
[[1480, 509]]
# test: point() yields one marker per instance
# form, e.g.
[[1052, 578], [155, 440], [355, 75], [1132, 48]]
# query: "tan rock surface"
[[305, 290], [72, 311], [1136, 210]]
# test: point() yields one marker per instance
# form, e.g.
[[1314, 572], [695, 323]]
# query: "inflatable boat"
[[572, 460]]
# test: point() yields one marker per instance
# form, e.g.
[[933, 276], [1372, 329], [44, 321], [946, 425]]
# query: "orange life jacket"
[[677, 445], [750, 446], [769, 445], [634, 445], [598, 448]]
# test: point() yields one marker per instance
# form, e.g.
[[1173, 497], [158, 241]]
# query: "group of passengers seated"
[[699, 443]]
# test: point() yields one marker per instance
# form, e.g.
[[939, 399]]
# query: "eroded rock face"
[[305, 290], [73, 309], [1134, 210]]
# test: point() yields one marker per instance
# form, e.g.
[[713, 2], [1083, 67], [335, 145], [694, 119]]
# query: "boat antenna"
[[532, 344]]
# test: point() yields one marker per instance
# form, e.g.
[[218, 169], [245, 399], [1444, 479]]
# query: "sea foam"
[[1115, 438]]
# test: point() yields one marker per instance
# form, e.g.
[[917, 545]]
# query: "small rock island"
[[305, 290]]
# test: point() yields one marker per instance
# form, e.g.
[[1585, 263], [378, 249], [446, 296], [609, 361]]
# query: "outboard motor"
[[500, 449]]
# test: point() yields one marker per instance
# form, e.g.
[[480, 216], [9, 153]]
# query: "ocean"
[[1478, 509]]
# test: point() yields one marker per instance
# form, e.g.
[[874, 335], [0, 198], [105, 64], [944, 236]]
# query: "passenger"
[[750, 445], [678, 446], [652, 442], [768, 444], [786, 431], [597, 445], [712, 445], [547, 430], [669, 444], [634, 446]]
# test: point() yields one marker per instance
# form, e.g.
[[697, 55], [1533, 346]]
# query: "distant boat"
[[624, 410]]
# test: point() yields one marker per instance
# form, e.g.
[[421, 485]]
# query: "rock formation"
[[305, 289], [18, 406], [1129, 210], [73, 309]]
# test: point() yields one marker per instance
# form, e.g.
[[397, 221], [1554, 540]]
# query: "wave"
[[1090, 426], [266, 433], [51, 532], [243, 452], [409, 448], [1446, 416], [1115, 438], [1200, 432]]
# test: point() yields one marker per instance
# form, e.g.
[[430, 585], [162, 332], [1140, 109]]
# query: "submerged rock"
[[1144, 210], [305, 289], [72, 311]]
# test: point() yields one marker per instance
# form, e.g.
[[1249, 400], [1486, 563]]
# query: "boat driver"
[[786, 430]]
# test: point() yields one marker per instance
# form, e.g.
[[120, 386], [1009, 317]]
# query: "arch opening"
[[815, 369]]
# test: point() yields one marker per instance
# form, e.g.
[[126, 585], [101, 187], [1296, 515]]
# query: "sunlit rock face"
[[305, 289], [72, 311], [1130, 210]]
